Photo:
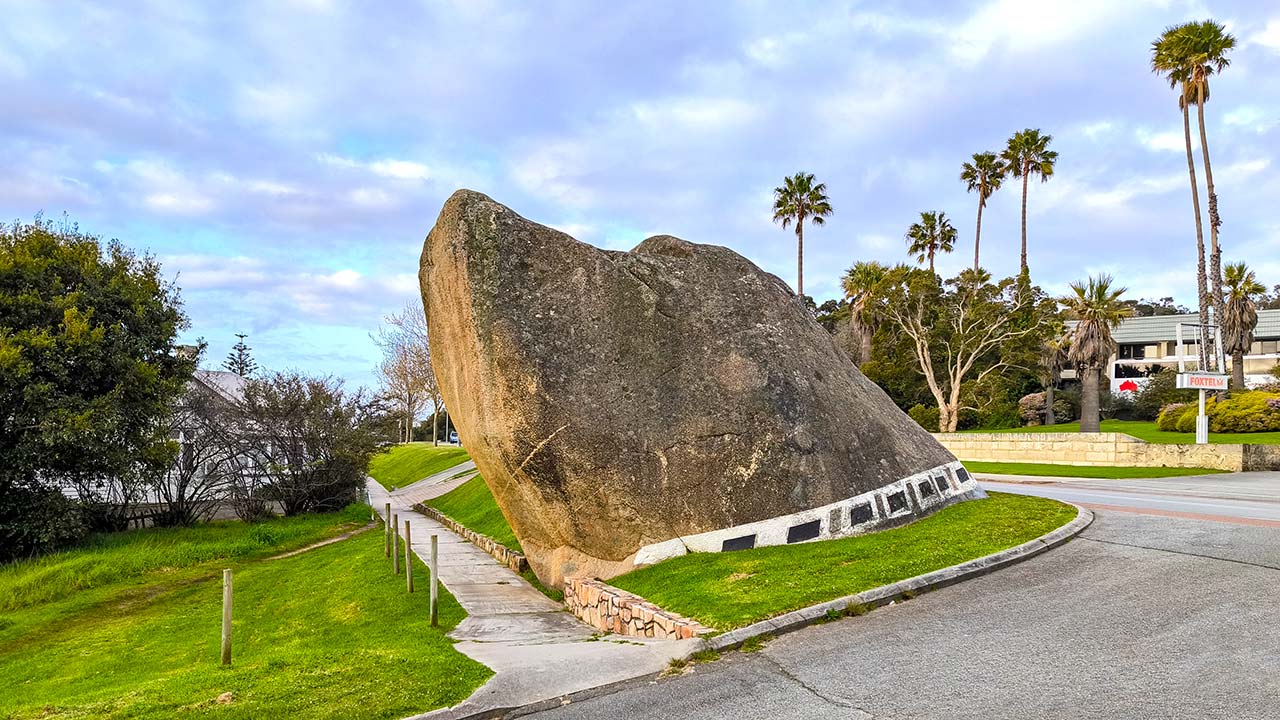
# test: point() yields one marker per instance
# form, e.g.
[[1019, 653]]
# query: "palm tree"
[[861, 284], [1168, 61], [1202, 48], [800, 199], [933, 234], [1096, 308], [1053, 359], [984, 175], [1239, 317], [1028, 154]]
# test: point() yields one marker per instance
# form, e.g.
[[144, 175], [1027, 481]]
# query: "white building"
[[1150, 343]]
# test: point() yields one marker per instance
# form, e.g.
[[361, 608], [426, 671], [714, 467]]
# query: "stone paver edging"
[[503, 554], [798, 619], [617, 611]]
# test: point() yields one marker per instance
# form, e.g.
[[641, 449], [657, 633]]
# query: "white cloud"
[[178, 203], [1268, 37], [694, 114], [371, 197], [393, 168], [1166, 141], [1021, 26], [1253, 118]]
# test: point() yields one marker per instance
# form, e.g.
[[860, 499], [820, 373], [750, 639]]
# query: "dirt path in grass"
[[322, 543]]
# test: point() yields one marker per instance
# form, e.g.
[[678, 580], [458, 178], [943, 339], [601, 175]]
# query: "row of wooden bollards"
[[391, 548], [392, 539]]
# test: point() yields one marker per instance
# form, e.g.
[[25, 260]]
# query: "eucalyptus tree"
[[1097, 309], [799, 198], [1239, 317], [863, 284], [984, 175], [1027, 154], [932, 235]]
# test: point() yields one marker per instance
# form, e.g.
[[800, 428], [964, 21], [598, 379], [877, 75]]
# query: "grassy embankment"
[[404, 465], [1145, 430], [1084, 471], [473, 505], [128, 626], [733, 589]]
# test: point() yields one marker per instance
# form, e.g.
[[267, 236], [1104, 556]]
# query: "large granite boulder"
[[628, 406]]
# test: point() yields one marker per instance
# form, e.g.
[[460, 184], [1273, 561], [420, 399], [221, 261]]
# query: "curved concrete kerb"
[[886, 594]]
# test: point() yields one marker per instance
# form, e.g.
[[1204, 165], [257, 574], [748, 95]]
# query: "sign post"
[[1203, 379]]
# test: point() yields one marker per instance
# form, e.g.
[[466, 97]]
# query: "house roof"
[[1165, 327], [227, 385]]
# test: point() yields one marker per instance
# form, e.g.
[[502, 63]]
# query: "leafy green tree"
[[984, 175], [89, 366], [1239, 317], [965, 334], [862, 285], [1028, 154], [311, 439], [799, 198], [932, 235], [1053, 359], [240, 360], [1096, 307]]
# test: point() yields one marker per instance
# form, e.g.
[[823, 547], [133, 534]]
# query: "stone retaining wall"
[[503, 554], [1105, 449], [607, 608]]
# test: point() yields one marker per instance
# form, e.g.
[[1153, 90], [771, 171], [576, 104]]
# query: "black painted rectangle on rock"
[[926, 489], [962, 475], [804, 531], [941, 482], [897, 502], [860, 514], [746, 542]]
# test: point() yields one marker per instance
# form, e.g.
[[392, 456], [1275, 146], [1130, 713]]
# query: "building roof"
[[228, 385], [1139, 330]]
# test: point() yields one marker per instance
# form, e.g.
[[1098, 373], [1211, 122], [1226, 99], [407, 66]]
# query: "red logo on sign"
[[1128, 386]]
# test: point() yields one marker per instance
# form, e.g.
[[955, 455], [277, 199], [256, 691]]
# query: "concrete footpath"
[[537, 649]]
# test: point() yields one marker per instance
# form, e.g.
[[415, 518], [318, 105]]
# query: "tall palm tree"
[[1096, 308], [1167, 60], [1028, 154], [861, 284], [933, 234], [1203, 48], [799, 199], [1239, 317], [984, 175]]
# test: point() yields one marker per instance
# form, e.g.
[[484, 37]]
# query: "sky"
[[284, 160]]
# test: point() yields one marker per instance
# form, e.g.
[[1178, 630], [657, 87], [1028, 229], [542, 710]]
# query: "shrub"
[[1167, 420], [1000, 415], [1187, 419], [926, 417], [37, 521], [1244, 413], [1160, 391]]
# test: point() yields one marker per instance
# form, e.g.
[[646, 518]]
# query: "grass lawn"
[[1146, 430], [733, 589], [473, 505], [129, 628], [1110, 473], [404, 465]]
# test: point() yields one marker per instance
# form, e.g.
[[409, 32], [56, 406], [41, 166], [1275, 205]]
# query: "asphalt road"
[[1144, 615]]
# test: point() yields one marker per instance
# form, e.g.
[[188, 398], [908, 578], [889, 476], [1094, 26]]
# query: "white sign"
[[1202, 381]]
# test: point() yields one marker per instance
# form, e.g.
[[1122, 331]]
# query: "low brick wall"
[[1104, 449], [607, 608], [503, 554]]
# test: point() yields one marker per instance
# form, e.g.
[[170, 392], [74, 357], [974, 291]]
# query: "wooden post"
[[386, 533], [408, 558], [435, 581], [226, 616], [395, 544]]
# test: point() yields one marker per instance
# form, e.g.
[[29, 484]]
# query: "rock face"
[[613, 400]]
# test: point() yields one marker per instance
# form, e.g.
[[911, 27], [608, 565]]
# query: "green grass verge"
[[404, 465], [329, 633], [1149, 431], [1108, 473], [733, 589], [473, 505]]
